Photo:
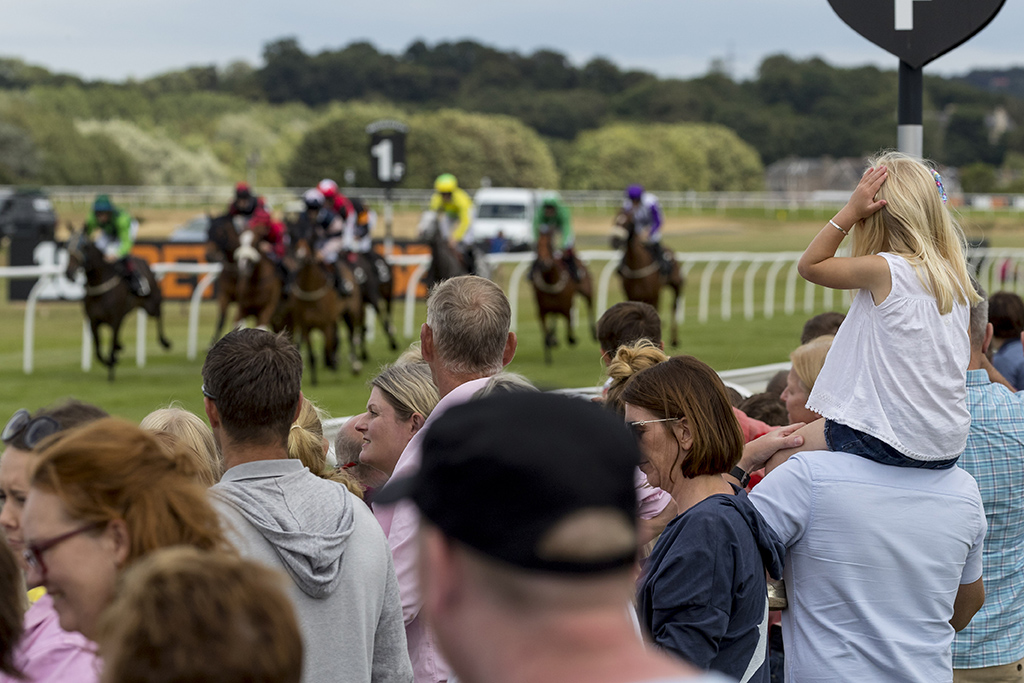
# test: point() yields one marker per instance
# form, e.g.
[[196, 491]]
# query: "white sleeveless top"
[[898, 371]]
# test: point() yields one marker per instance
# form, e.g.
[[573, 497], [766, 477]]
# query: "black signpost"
[[387, 163], [918, 32]]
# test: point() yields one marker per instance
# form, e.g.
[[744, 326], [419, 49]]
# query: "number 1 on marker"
[[905, 14]]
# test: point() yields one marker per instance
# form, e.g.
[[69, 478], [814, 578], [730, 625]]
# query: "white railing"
[[769, 202], [711, 275]]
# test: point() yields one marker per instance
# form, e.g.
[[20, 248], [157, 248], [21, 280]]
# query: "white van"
[[508, 212]]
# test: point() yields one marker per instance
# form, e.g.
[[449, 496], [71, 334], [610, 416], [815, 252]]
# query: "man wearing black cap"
[[528, 543], [465, 341]]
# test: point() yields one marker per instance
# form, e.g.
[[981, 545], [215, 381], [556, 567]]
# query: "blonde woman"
[[807, 360], [191, 432], [306, 443]]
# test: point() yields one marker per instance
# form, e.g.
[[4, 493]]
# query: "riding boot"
[[137, 282], [661, 257], [569, 259], [342, 285]]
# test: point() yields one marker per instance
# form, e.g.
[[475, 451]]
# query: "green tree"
[[677, 157]]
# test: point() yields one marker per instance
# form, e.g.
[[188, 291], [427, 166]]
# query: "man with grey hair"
[[991, 647], [465, 341]]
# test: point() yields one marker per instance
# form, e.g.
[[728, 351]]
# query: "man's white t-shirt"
[[875, 556]]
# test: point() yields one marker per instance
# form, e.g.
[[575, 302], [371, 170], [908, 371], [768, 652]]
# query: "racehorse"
[[376, 283], [444, 261], [108, 297], [248, 279], [314, 304], [555, 291], [642, 277]]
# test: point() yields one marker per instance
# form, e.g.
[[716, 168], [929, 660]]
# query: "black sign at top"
[[917, 31]]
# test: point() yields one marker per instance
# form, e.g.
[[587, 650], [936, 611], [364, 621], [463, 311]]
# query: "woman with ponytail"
[[306, 443], [100, 497]]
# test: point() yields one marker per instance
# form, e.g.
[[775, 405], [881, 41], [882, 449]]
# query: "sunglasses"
[[207, 394], [33, 552], [35, 430], [637, 427]]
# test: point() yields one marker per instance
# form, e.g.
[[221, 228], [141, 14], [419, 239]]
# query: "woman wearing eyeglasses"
[[703, 594], [100, 497], [45, 652]]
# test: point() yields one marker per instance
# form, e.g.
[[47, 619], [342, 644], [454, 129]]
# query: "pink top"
[[401, 523], [47, 653]]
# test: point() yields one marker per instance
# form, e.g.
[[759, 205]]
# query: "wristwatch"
[[743, 477]]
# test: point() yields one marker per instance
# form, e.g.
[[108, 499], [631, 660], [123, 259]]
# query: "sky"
[[118, 39]]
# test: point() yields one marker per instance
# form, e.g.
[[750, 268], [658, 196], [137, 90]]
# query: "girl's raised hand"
[[862, 202]]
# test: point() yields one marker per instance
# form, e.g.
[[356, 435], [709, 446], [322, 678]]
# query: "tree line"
[[803, 108]]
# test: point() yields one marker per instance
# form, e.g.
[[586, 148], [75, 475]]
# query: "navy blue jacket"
[[703, 595]]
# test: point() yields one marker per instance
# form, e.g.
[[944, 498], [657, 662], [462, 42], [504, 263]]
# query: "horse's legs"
[[547, 335], [673, 322], [306, 336], [353, 339], [331, 346], [94, 326], [570, 333], [222, 315], [151, 304]]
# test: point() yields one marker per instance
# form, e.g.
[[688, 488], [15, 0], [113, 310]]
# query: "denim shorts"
[[841, 438]]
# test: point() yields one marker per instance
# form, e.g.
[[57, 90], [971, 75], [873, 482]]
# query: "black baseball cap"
[[503, 473]]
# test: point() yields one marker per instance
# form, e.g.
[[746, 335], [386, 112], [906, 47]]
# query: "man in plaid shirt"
[[991, 648]]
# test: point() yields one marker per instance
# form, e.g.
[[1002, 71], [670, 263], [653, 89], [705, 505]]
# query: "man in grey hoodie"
[[343, 581]]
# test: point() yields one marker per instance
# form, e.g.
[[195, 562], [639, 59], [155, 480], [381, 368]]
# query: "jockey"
[[356, 236], [249, 211], [328, 230], [336, 201], [115, 239], [454, 210], [644, 209], [246, 204], [552, 215]]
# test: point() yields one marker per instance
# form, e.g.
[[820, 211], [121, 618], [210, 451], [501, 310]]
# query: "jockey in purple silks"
[[644, 209]]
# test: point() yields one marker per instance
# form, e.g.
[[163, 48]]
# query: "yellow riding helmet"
[[446, 183]]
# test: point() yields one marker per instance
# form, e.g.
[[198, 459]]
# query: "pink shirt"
[[49, 654], [401, 524]]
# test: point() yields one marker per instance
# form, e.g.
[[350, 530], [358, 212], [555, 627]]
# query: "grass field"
[[169, 376]]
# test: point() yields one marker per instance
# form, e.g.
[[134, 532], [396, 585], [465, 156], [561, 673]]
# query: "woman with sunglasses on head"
[[100, 497], [703, 595], [45, 652]]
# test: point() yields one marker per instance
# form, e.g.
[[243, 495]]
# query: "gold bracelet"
[[836, 226]]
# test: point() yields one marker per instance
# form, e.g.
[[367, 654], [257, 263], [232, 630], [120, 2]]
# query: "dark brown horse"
[[108, 297], [249, 278], [555, 291], [314, 304], [376, 284], [444, 261], [642, 277]]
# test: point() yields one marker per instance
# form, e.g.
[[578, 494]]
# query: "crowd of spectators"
[[477, 529]]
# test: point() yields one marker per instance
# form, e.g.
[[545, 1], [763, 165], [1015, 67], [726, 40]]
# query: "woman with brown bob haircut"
[[101, 496], [703, 595]]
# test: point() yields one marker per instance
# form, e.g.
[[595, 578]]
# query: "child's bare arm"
[[819, 263], [813, 440]]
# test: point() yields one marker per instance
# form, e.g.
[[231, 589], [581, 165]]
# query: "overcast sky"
[[115, 39]]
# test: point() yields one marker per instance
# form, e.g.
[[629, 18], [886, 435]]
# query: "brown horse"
[[108, 297], [249, 278], [555, 291], [444, 261], [376, 284], [314, 304], [642, 277]]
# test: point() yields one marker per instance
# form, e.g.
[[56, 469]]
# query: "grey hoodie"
[[343, 581], [288, 511]]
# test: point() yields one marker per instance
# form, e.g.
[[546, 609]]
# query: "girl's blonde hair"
[[629, 360], [408, 387], [189, 431], [306, 443], [915, 224]]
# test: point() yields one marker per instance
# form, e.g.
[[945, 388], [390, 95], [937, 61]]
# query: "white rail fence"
[[714, 277], [770, 202]]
